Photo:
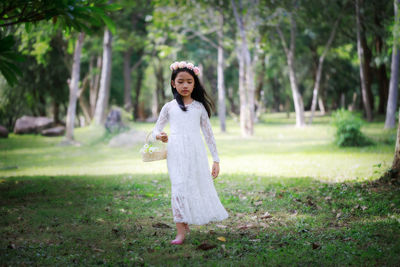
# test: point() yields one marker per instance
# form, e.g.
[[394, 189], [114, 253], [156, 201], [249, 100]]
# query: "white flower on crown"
[[196, 70], [182, 64], [174, 66], [190, 66]]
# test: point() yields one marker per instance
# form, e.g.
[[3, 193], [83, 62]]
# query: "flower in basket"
[[148, 148]]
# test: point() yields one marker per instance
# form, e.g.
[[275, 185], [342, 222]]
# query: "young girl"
[[194, 199]]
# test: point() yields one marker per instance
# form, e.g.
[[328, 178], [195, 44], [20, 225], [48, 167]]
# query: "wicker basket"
[[159, 154]]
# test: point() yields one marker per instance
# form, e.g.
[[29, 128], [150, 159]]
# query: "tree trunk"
[[368, 71], [85, 109], [73, 88], [94, 86], [155, 104], [321, 105], [220, 73], [242, 93], [246, 79], [275, 94], [363, 71], [396, 159], [159, 94], [158, 76], [137, 94], [56, 111], [297, 99], [233, 108], [381, 74], [319, 68], [259, 95], [367, 58], [104, 91], [127, 80], [393, 89], [82, 100]]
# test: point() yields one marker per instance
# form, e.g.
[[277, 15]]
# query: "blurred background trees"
[[256, 56]]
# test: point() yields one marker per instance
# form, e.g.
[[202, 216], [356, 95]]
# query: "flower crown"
[[183, 64]]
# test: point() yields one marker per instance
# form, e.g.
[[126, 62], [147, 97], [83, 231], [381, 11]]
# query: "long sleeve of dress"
[[208, 134], [161, 121]]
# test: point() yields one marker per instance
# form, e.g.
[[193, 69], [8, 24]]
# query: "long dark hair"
[[198, 93]]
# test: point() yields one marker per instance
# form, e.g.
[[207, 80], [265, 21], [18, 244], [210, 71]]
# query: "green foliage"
[[67, 14], [348, 129], [8, 59]]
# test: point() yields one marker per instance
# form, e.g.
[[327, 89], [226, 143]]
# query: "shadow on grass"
[[127, 220]]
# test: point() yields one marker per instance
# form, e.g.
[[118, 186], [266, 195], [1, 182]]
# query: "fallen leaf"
[[315, 246], [246, 226], [206, 246], [364, 207], [97, 249], [266, 215], [221, 238], [161, 225]]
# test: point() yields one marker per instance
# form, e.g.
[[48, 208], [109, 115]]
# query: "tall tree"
[[220, 71], [104, 91], [363, 70], [290, 57], [394, 81], [246, 74], [73, 88], [318, 73]]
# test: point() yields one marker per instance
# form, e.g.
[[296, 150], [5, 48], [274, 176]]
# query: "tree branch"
[[278, 29]]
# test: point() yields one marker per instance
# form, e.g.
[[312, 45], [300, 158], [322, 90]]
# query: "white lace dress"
[[194, 199]]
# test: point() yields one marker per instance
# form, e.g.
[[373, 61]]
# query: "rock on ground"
[[29, 124], [3, 132]]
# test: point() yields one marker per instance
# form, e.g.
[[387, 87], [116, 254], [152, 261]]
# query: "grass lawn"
[[293, 197]]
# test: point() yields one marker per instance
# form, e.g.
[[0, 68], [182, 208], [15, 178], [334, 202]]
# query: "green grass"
[[97, 205]]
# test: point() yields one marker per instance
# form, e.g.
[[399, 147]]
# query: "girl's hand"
[[163, 137], [215, 170]]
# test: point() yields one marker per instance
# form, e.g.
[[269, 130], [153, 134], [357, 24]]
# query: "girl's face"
[[183, 83]]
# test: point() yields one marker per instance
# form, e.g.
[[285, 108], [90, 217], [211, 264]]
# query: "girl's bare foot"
[[180, 237]]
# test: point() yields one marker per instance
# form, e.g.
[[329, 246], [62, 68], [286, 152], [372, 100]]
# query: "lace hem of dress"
[[181, 211]]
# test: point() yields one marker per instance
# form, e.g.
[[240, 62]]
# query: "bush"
[[348, 129]]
